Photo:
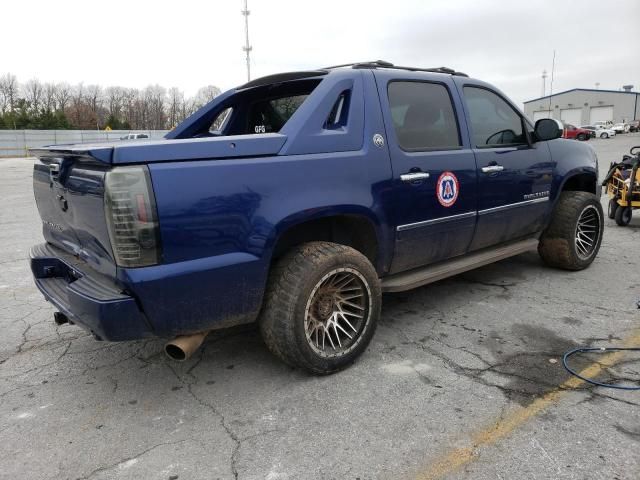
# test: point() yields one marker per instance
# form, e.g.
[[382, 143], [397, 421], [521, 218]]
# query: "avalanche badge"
[[447, 189]]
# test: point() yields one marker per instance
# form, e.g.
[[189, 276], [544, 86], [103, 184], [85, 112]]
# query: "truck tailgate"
[[69, 193]]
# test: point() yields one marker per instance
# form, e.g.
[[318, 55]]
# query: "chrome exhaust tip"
[[181, 348]]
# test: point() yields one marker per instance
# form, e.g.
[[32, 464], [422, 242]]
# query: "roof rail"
[[384, 64], [371, 64]]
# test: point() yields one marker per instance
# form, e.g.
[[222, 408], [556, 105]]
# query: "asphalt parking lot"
[[463, 380]]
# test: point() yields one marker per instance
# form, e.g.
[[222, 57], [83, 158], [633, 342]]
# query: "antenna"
[[553, 69], [597, 85], [247, 47], [544, 82]]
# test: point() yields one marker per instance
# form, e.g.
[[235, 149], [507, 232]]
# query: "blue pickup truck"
[[297, 199]]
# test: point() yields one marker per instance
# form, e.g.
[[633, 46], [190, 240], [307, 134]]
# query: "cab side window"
[[423, 116], [494, 122]]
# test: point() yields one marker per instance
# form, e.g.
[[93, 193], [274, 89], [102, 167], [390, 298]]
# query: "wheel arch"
[[583, 179], [580, 181], [354, 227]]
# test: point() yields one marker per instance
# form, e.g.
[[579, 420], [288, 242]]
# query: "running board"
[[432, 273]]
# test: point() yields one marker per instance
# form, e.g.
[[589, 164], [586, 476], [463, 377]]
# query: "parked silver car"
[[134, 136], [599, 131]]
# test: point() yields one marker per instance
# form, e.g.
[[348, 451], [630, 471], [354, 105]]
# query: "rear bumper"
[[88, 299]]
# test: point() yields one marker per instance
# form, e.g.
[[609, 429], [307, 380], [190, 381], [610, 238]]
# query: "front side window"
[[494, 122], [423, 116]]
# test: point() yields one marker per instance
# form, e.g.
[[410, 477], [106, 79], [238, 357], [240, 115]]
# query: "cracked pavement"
[[448, 360]]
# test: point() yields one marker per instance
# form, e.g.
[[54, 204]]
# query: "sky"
[[193, 43]]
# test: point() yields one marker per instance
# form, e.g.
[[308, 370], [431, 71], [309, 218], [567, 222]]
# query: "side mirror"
[[548, 129]]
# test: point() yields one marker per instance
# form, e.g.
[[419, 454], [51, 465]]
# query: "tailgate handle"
[[54, 171]]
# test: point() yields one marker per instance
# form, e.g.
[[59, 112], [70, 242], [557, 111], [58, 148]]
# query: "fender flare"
[[385, 244], [558, 186]]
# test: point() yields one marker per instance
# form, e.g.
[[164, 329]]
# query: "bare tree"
[[87, 106], [49, 97], [33, 94], [79, 111], [154, 98], [175, 107], [93, 100], [130, 107], [114, 97], [8, 92], [205, 95], [63, 96]]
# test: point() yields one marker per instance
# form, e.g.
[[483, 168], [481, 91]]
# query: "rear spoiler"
[[162, 150], [98, 153]]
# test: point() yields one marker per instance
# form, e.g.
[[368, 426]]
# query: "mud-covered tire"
[[558, 246], [623, 216], [612, 208], [293, 287]]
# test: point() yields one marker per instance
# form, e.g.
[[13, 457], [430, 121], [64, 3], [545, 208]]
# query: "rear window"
[[266, 116], [258, 110]]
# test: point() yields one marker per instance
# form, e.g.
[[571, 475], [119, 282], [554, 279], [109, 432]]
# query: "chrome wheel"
[[587, 232], [337, 312]]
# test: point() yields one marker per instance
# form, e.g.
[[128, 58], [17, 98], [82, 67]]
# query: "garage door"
[[572, 116], [543, 114], [601, 114]]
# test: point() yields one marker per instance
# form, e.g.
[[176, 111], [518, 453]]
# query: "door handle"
[[413, 176], [492, 168]]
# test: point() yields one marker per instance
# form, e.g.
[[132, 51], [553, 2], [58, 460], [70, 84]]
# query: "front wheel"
[[573, 238], [604, 135], [321, 308], [623, 216]]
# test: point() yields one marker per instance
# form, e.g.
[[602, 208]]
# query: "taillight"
[[130, 208]]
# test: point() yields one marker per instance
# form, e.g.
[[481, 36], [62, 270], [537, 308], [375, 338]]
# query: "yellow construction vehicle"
[[623, 187]]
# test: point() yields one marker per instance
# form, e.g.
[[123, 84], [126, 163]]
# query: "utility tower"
[[544, 82], [247, 47]]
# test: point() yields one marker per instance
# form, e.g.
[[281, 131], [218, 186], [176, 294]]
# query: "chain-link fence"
[[16, 143]]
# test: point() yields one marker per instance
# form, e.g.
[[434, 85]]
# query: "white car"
[[621, 127], [599, 131], [134, 136]]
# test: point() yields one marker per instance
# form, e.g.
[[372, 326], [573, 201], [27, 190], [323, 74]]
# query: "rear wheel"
[[573, 238], [611, 209], [623, 216], [321, 307], [581, 137]]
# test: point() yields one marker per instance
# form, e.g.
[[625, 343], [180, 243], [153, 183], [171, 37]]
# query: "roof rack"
[[384, 64]]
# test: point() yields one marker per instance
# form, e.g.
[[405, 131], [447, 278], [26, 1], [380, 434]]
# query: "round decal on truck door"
[[447, 189]]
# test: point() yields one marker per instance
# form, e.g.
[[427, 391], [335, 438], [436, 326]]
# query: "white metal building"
[[583, 106]]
